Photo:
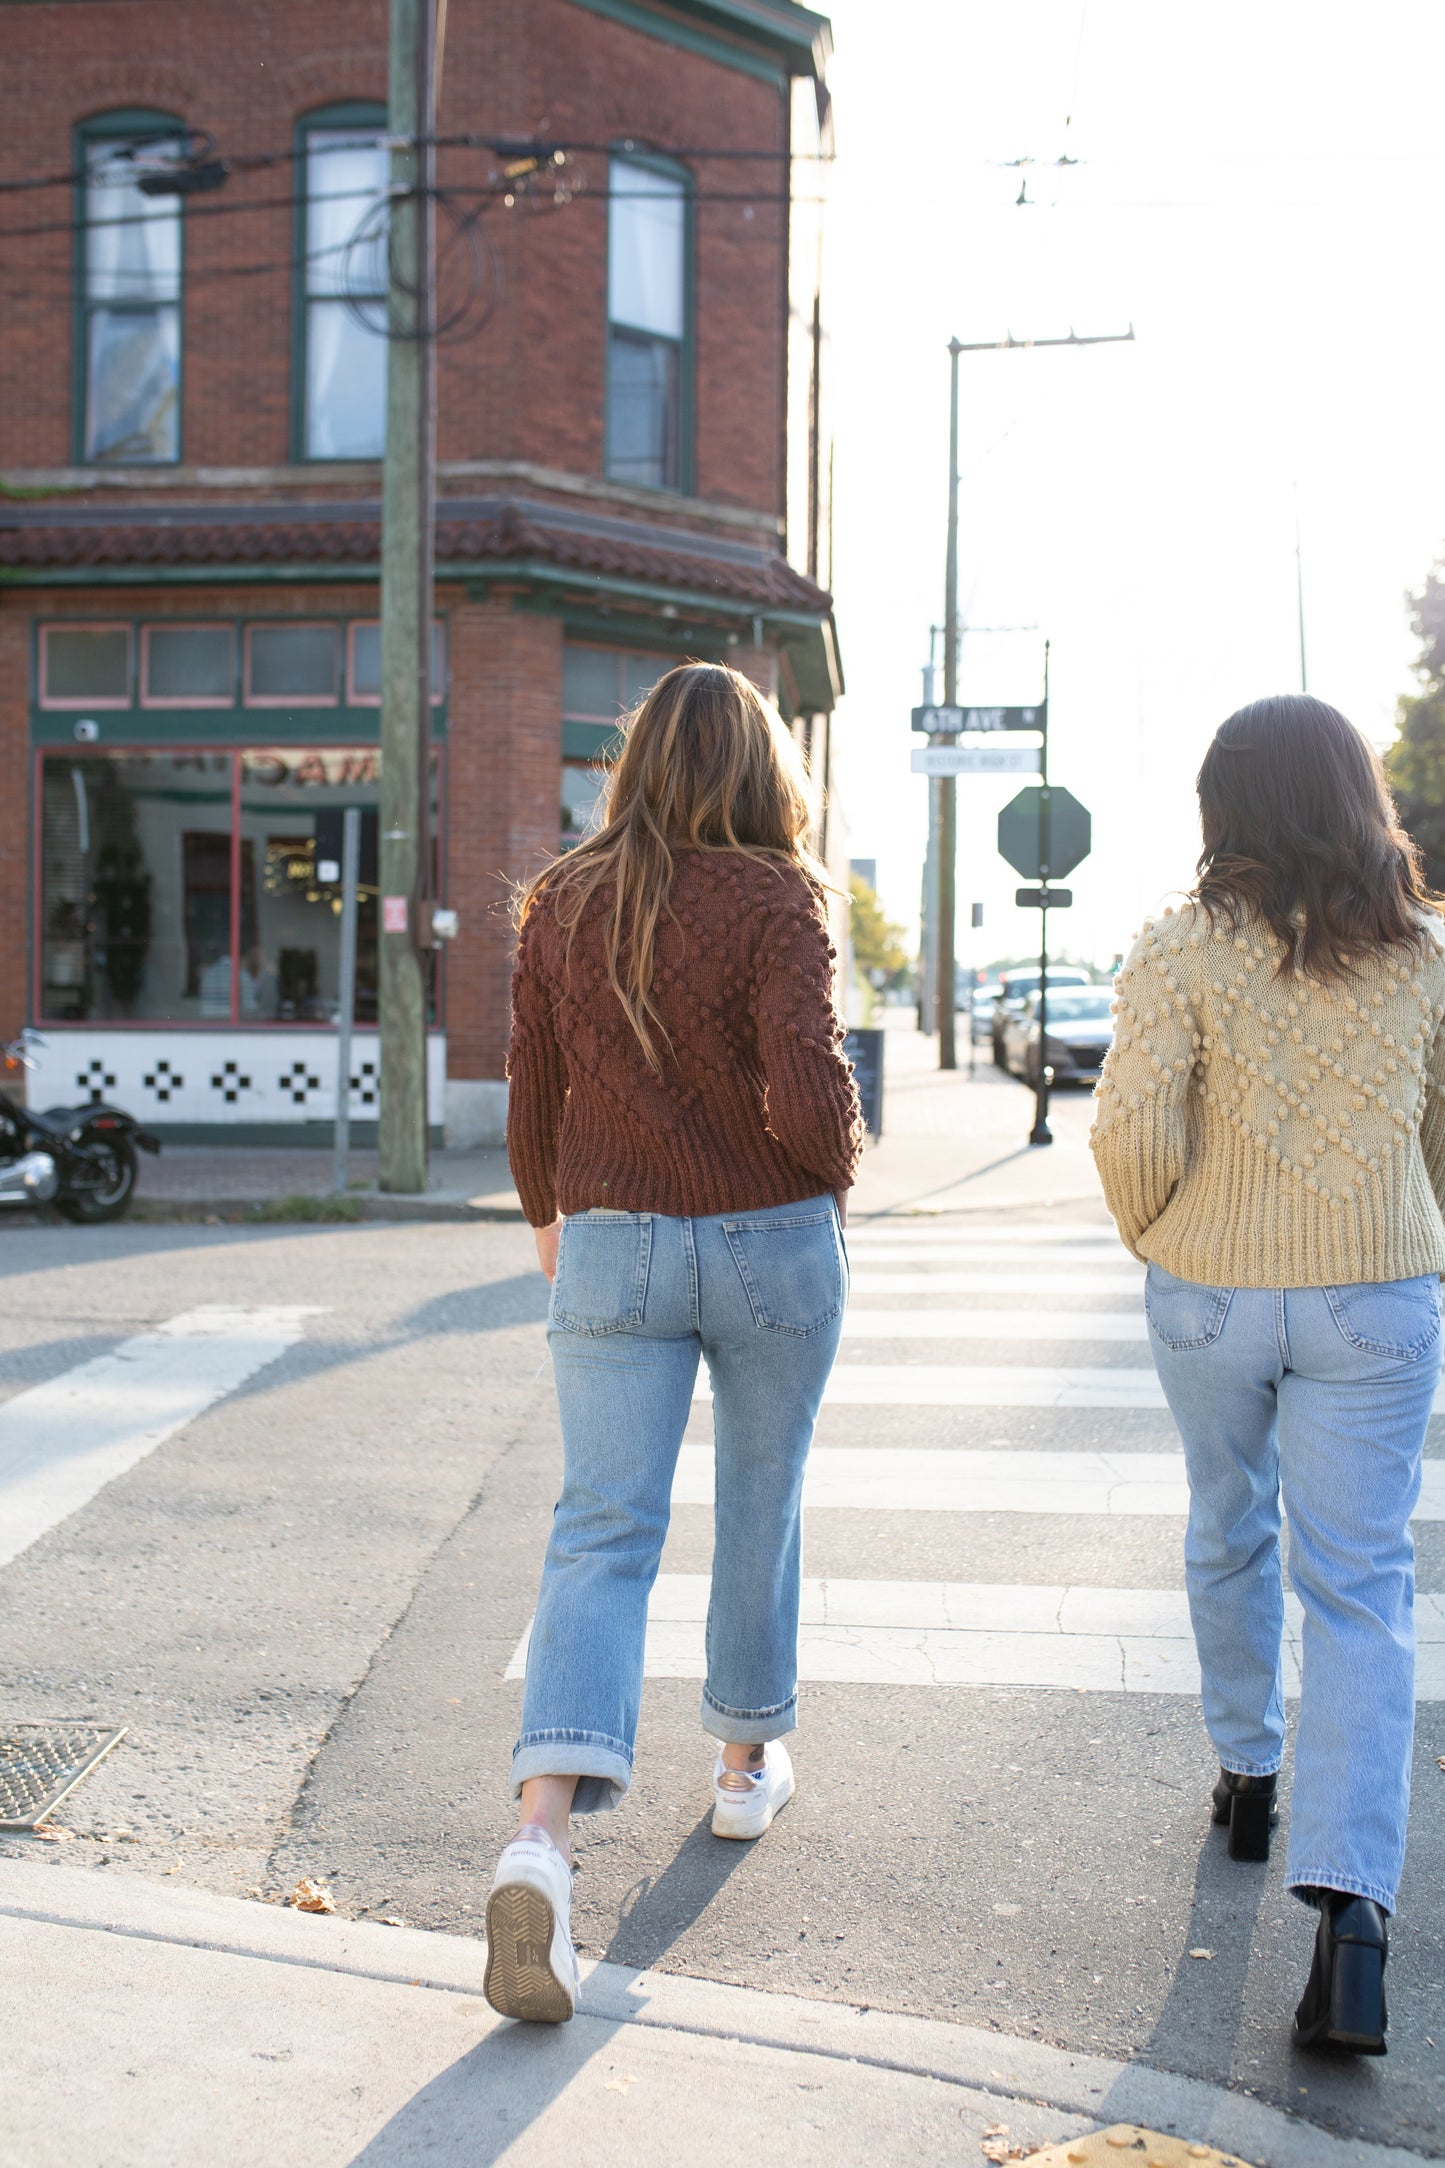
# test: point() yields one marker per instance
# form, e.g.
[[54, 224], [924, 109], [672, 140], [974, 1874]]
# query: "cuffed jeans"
[[1317, 1396], [638, 1298]]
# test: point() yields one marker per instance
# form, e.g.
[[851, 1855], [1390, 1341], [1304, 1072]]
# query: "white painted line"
[[958, 1633], [909, 1479], [62, 1442], [1082, 1281], [864, 1324], [981, 1385], [997, 1253], [874, 1232]]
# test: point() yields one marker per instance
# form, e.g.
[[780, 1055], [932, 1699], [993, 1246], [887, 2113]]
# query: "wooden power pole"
[[407, 522]]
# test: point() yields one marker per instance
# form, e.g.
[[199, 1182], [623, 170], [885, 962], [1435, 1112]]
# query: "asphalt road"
[[304, 1603]]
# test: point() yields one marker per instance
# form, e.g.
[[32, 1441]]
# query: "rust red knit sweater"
[[756, 1103]]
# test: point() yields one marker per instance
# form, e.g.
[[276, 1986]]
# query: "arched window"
[[649, 322], [339, 392], [128, 294]]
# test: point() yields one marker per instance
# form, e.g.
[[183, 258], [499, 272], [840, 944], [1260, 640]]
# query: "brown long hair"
[[706, 765], [1300, 829]]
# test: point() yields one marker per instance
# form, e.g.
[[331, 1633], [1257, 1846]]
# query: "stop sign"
[[1044, 832]]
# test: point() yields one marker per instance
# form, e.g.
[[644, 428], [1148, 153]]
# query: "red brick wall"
[[503, 789], [15, 826], [529, 383]]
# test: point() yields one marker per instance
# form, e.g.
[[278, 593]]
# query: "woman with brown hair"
[[683, 1131], [1271, 1138]]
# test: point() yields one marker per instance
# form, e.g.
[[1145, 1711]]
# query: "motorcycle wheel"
[[110, 1199]]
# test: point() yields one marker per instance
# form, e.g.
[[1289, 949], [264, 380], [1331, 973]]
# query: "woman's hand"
[[840, 1199], [547, 1240]]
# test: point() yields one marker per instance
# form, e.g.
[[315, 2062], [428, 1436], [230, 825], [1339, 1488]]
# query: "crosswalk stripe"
[[919, 1479], [876, 1236], [942, 1633], [981, 1385], [62, 1442], [864, 1324], [1125, 1278], [997, 1253]]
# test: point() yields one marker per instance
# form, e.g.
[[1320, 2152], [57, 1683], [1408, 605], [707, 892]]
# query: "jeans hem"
[[1250, 1769], [1301, 1880], [603, 1766], [748, 1727]]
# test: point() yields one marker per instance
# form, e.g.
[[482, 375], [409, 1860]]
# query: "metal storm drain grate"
[[39, 1764]]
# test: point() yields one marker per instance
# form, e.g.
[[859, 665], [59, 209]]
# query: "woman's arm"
[[537, 1079], [1138, 1139], [812, 1101]]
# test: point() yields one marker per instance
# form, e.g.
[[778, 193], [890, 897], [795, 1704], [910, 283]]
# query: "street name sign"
[[1043, 899], [1021, 832], [975, 760], [947, 722]]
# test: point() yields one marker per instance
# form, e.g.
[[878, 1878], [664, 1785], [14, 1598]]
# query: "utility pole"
[[945, 998], [945, 787], [407, 523]]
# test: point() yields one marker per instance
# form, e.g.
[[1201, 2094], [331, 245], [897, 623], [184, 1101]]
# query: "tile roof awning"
[[53, 537]]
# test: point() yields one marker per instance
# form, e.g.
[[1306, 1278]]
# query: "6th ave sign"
[[948, 721], [1044, 832]]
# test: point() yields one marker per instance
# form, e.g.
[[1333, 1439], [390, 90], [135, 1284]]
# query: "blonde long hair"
[[706, 765]]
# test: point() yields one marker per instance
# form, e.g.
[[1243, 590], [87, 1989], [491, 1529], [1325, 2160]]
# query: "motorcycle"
[[80, 1160]]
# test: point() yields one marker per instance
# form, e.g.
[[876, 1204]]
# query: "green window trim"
[[356, 113], [638, 154], [122, 124]]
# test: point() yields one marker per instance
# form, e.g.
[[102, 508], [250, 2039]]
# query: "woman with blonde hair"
[[683, 1131], [1271, 1137]]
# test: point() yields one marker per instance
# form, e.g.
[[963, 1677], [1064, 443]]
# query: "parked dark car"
[[1015, 988], [1080, 1032]]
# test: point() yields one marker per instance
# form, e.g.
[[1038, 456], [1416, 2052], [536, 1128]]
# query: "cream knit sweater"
[[1254, 1130]]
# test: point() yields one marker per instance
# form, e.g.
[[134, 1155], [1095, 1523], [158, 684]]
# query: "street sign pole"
[[1041, 1132], [945, 997]]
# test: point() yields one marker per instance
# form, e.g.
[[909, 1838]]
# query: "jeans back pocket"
[[1395, 1318], [1184, 1313], [791, 1270], [602, 1265]]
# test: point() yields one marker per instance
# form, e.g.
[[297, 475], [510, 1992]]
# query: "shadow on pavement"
[[478, 2108], [656, 1913]]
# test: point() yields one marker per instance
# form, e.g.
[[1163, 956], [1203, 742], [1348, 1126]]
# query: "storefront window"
[[135, 903], [599, 686], [159, 905], [292, 803]]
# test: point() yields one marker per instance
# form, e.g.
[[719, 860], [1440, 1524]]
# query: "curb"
[[1098, 2089], [260, 1212]]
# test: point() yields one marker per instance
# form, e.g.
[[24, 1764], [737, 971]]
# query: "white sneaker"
[[531, 1964], [745, 1800]]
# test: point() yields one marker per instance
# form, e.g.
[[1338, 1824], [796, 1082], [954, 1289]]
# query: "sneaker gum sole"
[[519, 1980]]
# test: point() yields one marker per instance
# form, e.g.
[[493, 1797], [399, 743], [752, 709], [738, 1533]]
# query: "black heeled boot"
[[1247, 1804], [1344, 2003]]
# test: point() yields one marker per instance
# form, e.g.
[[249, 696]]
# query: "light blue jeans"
[[1317, 1396], [637, 1300]]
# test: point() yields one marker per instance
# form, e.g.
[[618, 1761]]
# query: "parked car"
[[1015, 988], [1080, 1032], [984, 999]]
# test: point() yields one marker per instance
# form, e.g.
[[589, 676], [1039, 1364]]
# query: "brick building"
[[633, 467]]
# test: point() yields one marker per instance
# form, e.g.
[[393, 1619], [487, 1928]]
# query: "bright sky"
[[1259, 194]]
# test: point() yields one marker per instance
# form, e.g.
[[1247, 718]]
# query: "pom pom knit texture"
[[1259, 1130], [755, 1104]]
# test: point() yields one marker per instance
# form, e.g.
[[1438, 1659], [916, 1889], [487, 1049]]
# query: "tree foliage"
[[877, 942], [1415, 763]]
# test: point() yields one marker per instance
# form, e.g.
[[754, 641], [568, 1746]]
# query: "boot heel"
[[1357, 1998], [1249, 1820]]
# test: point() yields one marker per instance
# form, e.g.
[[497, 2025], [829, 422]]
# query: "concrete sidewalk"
[[151, 2026], [950, 1143]]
